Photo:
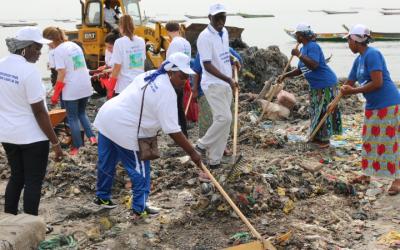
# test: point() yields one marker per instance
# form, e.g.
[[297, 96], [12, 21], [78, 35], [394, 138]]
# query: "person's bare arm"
[[60, 75], [181, 140], [215, 72], [115, 71], [43, 120], [375, 83]]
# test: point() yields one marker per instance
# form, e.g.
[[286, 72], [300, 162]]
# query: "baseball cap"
[[31, 34], [216, 8], [182, 63], [302, 27], [360, 30]]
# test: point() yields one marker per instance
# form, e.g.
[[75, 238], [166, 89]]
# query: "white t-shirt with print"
[[215, 49], [20, 86], [179, 44], [130, 54], [69, 56], [118, 118]]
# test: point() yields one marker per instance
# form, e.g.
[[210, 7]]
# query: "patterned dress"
[[381, 138]]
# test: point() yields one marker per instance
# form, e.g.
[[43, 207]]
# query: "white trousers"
[[219, 97]]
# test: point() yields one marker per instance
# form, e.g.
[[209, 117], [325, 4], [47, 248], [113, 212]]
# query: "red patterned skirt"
[[381, 138]]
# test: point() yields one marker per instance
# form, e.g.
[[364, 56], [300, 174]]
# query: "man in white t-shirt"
[[178, 44], [217, 84]]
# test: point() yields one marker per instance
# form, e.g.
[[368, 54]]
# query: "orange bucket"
[[57, 116]]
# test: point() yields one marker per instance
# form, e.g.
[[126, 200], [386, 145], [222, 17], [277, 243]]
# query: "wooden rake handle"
[[267, 244], [332, 104], [236, 114], [188, 104], [273, 94]]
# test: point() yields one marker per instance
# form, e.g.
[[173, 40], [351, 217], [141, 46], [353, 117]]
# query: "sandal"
[[362, 179], [394, 189]]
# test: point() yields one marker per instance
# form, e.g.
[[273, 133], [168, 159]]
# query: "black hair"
[[172, 26], [112, 36]]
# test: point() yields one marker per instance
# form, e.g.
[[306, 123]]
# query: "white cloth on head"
[[219, 97], [20, 86], [118, 118], [131, 55], [69, 56], [215, 49]]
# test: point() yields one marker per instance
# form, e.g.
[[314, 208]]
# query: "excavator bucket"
[[193, 30]]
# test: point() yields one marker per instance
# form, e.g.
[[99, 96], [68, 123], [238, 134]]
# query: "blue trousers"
[[110, 154], [76, 115]]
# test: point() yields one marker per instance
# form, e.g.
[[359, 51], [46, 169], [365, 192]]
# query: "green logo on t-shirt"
[[136, 60], [79, 61]]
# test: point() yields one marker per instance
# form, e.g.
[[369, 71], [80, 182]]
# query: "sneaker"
[[152, 210], [93, 141], [104, 203], [135, 216], [74, 151]]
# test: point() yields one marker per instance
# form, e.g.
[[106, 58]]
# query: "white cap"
[[182, 63], [360, 30], [302, 27], [31, 34], [216, 8]]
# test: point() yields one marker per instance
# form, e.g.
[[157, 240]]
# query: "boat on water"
[[323, 37], [20, 24], [390, 12], [200, 17], [333, 12], [338, 37], [244, 15], [390, 8], [381, 36]]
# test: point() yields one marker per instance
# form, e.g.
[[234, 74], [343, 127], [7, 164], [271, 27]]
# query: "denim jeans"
[[28, 164], [76, 115]]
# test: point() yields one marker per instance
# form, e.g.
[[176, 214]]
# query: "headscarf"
[[165, 66], [365, 39], [309, 34], [14, 44]]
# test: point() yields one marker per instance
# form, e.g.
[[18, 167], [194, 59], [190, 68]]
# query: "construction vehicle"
[[91, 32]]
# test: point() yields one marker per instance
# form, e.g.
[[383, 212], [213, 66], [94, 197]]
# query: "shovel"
[[333, 104], [261, 243], [235, 118], [275, 89]]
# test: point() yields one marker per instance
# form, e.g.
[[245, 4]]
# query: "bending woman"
[[118, 140], [322, 81]]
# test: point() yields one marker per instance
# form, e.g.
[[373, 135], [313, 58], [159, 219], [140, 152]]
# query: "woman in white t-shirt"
[[117, 122], [73, 81], [25, 125], [129, 54]]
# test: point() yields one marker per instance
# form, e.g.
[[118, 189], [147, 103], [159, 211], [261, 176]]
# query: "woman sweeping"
[[380, 153], [323, 84]]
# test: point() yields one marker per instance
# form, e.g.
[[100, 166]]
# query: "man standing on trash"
[[217, 84]]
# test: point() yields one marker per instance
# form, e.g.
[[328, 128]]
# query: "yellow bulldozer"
[[91, 32]]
